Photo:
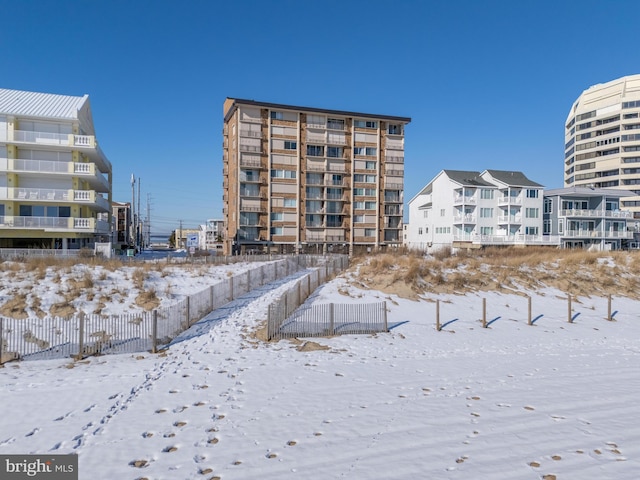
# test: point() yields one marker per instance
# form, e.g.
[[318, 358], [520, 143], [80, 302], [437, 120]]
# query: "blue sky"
[[488, 84]]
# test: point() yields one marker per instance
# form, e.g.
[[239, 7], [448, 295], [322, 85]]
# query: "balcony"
[[250, 148], [508, 239], [250, 133], [463, 199], [467, 218], [510, 200], [84, 143], [250, 163], [596, 213], [584, 233], [316, 138], [55, 224], [88, 171], [392, 199], [393, 172], [53, 195], [509, 219], [393, 159], [393, 186]]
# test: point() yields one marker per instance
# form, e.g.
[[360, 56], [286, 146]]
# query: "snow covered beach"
[[510, 401]]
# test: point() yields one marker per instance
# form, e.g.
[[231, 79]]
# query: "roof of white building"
[[467, 178], [35, 104], [588, 192], [513, 179]]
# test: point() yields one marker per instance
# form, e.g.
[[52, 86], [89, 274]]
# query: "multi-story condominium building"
[[212, 235], [602, 139], [121, 228], [55, 182], [469, 209], [311, 180], [589, 218]]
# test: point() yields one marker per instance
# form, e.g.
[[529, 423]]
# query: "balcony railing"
[[393, 159], [396, 173], [250, 163], [55, 196], [250, 133], [464, 199], [584, 233], [464, 218], [596, 213], [250, 148], [508, 239], [510, 200], [55, 223], [509, 219]]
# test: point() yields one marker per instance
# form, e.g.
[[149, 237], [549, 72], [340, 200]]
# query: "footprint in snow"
[[32, 432]]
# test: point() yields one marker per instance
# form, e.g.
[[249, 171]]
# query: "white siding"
[[3, 128]]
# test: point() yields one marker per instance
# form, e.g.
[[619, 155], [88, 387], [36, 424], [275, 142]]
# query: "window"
[[290, 203], [425, 214], [486, 212], [358, 150], [369, 205], [370, 165], [365, 124], [560, 225], [486, 193], [276, 115], [360, 178], [283, 174], [394, 130], [486, 230], [276, 216], [290, 145], [358, 219], [531, 213], [369, 232], [335, 124], [277, 230], [531, 230], [334, 152], [548, 205], [315, 150], [442, 212], [371, 151], [532, 193], [420, 231], [358, 205]]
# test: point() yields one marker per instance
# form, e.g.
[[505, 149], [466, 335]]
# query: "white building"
[[469, 209], [212, 235], [55, 181], [602, 139]]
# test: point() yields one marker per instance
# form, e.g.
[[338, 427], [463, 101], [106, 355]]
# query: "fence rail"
[[288, 317], [83, 335]]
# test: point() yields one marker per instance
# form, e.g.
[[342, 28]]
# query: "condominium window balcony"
[[250, 163], [509, 219], [517, 239], [586, 233], [88, 171], [250, 133], [319, 126], [252, 208], [250, 148], [467, 218], [313, 137], [393, 159], [394, 172], [596, 213], [510, 200], [393, 199], [250, 193], [335, 238], [394, 186], [84, 143], [261, 181], [335, 125], [392, 210], [315, 224], [55, 224], [54, 195], [463, 199]]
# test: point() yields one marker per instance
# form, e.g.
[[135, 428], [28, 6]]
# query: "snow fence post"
[[211, 298], [331, 325], [1, 337], [529, 309], [154, 332], [386, 325], [569, 308], [80, 338], [608, 311], [231, 288], [188, 311], [484, 313], [438, 315]]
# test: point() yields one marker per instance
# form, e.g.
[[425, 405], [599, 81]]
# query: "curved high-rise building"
[[602, 139]]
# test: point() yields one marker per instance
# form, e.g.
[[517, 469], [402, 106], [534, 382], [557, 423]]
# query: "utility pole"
[[180, 237], [138, 230], [133, 213]]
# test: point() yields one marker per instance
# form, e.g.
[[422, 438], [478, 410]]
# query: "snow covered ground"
[[512, 401]]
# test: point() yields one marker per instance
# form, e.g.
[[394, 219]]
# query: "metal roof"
[[35, 104]]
